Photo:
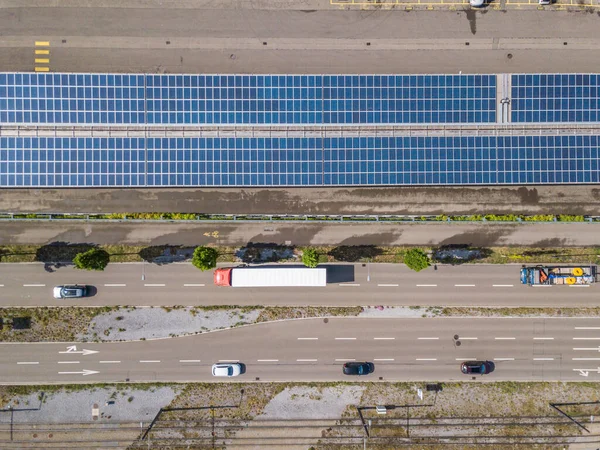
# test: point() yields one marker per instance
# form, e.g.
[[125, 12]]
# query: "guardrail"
[[189, 217]]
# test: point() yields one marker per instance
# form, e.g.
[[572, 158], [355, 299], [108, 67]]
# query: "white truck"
[[271, 277]]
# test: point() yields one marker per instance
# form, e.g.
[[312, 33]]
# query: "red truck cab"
[[223, 277]]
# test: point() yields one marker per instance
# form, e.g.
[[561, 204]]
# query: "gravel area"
[[66, 405], [304, 402], [148, 323]]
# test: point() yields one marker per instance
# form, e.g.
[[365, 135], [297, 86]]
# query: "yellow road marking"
[[42, 43], [42, 69], [42, 60], [42, 52]]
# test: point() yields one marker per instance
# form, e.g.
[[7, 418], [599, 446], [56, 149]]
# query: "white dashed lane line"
[[229, 360], [384, 339], [306, 360], [115, 285], [426, 285], [154, 285], [543, 338], [587, 328], [349, 284], [34, 285], [27, 363], [308, 339], [189, 360], [267, 360], [426, 359], [543, 359], [383, 359], [467, 338], [502, 285], [504, 338], [345, 339], [428, 338], [387, 285], [149, 361], [504, 359], [68, 362], [345, 359], [194, 285], [586, 339], [585, 359], [110, 362], [464, 285]]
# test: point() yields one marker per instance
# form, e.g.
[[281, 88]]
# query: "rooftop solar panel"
[[555, 98], [245, 162]]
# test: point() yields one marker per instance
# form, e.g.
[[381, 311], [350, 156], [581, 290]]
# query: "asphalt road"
[[390, 284], [490, 234], [168, 39], [314, 350]]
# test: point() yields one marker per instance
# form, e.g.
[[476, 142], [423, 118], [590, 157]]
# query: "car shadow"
[[91, 291], [242, 368]]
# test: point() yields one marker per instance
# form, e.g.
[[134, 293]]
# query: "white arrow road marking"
[[84, 372], [84, 352], [593, 349], [584, 373]]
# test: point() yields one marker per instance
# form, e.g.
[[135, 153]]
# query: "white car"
[[70, 291], [226, 369], [477, 3]]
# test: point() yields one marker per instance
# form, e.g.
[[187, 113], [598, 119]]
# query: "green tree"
[[205, 258], [310, 257], [416, 259], [93, 259]]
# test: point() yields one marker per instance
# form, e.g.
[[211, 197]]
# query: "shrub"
[[93, 259], [310, 257], [205, 258], [416, 259]]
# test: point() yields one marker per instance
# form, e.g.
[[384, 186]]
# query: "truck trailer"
[[558, 275], [271, 277]]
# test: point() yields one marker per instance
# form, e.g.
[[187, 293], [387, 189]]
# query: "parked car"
[[477, 367], [545, 2], [477, 3], [358, 368], [226, 369], [70, 291]]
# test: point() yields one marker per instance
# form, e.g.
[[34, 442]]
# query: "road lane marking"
[[387, 285], [42, 43], [428, 338], [543, 338], [426, 359], [585, 359], [466, 358], [306, 360], [229, 360], [83, 372], [543, 359], [504, 338], [149, 361], [464, 285], [587, 328], [586, 339], [345, 359], [349, 284], [68, 362], [194, 285], [383, 359], [308, 339], [541, 285], [189, 360], [42, 52], [34, 285], [426, 285], [503, 285], [42, 61], [23, 363], [1, 285], [504, 359], [467, 338], [154, 285], [267, 360], [579, 285], [110, 362], [115, 285], [345, 339], [383, 339], [594, 349]]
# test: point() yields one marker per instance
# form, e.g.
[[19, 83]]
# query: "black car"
[[477, 367], [358, 368]]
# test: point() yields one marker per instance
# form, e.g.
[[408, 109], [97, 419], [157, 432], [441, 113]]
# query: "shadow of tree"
[[264, 252], [166, 254], [541, 252], [353, 253], [60, 252], [457, 254]]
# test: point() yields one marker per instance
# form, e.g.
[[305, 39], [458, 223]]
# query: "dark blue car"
[[477, 367], [358, 368]]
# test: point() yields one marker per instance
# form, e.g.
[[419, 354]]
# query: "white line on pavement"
[[543, 338], [345, 339], [579, 285], [426, 285], [189, 360], [586, 339], [267, 360], [194, 285], [543, 359], [426, 359], [154, 285], [115, 285], [110, 362], [34, 285], [229, 360], [68, 362], [306, 360], [383, 359], [504, 338], [466, 358], [349, 284], [387, 285], [467, 338], [1, 285], [428, 338], [149, 361], [345, 359], [585, 359], [27, 362], [541, 285], [503, 285], [464, 285], [504, 359], [383, 339], [587, 328], [592, 349], [308, 339]]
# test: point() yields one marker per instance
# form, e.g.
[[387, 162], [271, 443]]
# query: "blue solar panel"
[[41, 98], [555, 98], [245, 162]]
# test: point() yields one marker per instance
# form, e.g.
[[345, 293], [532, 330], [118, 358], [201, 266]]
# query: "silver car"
[[226, 369], [70, 291]]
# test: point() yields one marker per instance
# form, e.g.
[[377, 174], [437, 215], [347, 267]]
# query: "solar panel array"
[[92, 99], [129, 162], [555, 98]]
